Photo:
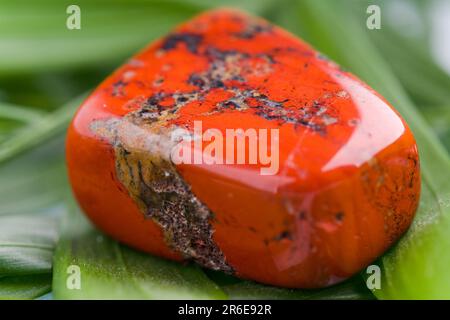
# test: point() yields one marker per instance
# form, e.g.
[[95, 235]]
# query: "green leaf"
[[424, 81], [26, 244], [109, 270], [422, 78], [35, 181], [416, 266], [7, 126], [31, 201], [25, 287], [34, 36], [439, 119], [19, 113], [40, 130], [353, 289]]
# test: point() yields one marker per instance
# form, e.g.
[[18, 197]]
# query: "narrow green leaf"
[[25, 287], [419, 74], [19, 113], [7, 127], [39, 131], [439, 119], [410, 55]]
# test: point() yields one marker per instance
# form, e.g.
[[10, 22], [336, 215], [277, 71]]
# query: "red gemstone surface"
[[346, 183]]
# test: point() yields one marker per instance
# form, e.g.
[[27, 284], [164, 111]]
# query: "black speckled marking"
[[191, 40]]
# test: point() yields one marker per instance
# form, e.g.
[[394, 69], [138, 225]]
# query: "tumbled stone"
[[337, 184]]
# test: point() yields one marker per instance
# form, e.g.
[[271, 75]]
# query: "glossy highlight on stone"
[[348, 182]]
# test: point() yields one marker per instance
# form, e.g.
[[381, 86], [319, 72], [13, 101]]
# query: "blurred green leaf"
[[19, 113], [408, 54], [31, 201], [39, 131], [34, 36], [439, 119], [424, 81], [27, 244], [25, 287], [353, 289], [7, 127], [48, 91]]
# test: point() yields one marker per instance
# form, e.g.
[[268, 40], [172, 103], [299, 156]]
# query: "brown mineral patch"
[[143, 166]]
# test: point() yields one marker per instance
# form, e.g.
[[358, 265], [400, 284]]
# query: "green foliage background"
[[45, 72]]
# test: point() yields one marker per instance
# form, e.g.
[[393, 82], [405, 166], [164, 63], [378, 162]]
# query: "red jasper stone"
[[345, 180]]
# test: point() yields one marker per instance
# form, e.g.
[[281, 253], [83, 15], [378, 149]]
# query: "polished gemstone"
[[293, 173]]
